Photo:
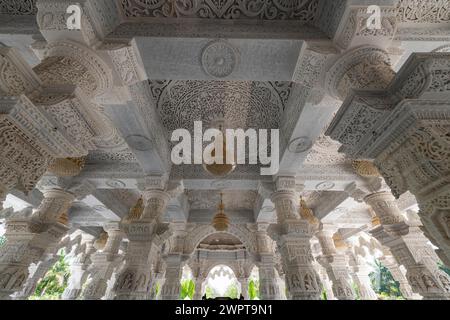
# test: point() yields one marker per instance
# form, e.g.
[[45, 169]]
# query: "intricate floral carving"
[[219, 59], [18, 7], [241, 103], [423, 11], [302, 10]]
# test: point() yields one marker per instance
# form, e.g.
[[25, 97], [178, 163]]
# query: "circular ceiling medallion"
[[326, 185], [219, 59], [114, 183], [138, 142], [300, 144]]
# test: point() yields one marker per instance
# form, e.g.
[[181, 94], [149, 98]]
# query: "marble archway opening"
[[222, 283]]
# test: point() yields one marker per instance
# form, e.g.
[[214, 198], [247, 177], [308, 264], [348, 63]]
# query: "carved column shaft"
[[336, 266], [199, 281], [294, 235], [409, 247], [36, 275], [268, 286], [28, 238], [360, 275], [399, 276], [78, 269], [145, 232], [243, 283], [3, 194], [104, 264], [171, 288]]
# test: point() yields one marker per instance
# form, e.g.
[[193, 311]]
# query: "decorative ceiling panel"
[[242, 104], [304, 11], [18, 7], [232, 199]]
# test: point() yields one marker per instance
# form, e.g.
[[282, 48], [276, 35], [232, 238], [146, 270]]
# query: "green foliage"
[[444, 268], [324, 294], [384, 284], [253, 289], [232, 291], [2, 240], [210, 293], [187, 289], [55, 281], [356, 291], [157, 288]]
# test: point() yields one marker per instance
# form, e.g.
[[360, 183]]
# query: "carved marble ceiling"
[[304, 11], [18, 7], [242, 104]]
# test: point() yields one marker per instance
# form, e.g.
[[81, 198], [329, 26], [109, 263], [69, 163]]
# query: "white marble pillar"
[[171, 288], [243, 284], [411, 151], [104, 263], [110, 293], [29, 237], [359, 271], [3, 194], [268, 286], [409, 247], [293, 235], [78, 268], [405, 288], [37, 272], [146, 234], [336, 265], [327, 285], [199, 281]]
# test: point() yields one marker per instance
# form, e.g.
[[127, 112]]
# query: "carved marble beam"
[[139, 124]]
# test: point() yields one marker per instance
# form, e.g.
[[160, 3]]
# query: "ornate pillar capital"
[[71, 63], [362, 68], [385, 207], [16, 77], [55, 203], [286, 205]]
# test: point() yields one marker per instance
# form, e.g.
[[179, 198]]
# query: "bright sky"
[[221, 282], [16, 203]]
